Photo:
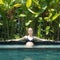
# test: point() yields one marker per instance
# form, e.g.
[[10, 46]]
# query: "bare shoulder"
[[25, 36], [37, 38]]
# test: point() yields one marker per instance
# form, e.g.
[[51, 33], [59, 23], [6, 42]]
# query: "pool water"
[[29, 54]]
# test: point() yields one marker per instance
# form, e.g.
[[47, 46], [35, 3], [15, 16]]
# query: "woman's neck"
[[30, 35]]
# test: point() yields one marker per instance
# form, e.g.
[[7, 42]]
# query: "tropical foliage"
[[42, 15]]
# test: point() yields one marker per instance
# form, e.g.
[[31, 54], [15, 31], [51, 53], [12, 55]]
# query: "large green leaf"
[[28, 3], [22, 15], [47, 18], [17, 5], [1, 2], [32, 11], [37, 3], [59, 24], [47, 30], [55, 16], [27, 23]]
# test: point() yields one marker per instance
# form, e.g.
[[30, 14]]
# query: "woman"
[[29, 39]]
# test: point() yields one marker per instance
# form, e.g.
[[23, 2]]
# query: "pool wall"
[[23, 43]]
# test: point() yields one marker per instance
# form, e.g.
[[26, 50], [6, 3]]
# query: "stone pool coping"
[[34, 47]]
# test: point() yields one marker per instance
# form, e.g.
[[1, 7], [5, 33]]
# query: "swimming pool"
[[10, 51]]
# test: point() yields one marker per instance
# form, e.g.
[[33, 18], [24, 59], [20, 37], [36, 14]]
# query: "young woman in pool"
[[29, 39]]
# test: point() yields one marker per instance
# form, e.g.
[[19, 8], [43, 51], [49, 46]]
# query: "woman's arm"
[[39, 39], [20, 39]]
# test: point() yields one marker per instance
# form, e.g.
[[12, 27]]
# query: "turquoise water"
[[29, 54]]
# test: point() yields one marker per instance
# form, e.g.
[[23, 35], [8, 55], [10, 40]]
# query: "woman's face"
[[30, 31]]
